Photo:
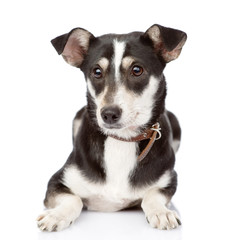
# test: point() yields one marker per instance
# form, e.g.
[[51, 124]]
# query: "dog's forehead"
[[117, 48], [105, 46], [129, 37]]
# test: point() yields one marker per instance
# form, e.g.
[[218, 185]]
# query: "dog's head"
[[124, 74]]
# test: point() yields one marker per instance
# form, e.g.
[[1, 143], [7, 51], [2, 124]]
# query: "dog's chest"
[[120, 159]]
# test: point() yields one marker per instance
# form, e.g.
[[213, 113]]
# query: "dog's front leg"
[[64, 210], [157, 214]]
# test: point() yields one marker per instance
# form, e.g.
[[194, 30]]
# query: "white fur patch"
[[76, 126], [90, 89], [154, 206], [120, 159], [99, 100], [175, 145], [163, 181], [158, 215], [119, 49], [67, 210]]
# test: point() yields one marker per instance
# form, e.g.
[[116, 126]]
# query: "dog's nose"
[[111, 114]]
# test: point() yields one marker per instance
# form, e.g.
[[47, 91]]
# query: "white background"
[[40, 93]]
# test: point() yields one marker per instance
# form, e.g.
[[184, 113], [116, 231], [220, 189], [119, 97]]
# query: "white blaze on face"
[[119, 49]]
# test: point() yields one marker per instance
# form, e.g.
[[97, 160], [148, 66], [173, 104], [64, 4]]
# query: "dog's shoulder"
[[88, 146], [161, 157]]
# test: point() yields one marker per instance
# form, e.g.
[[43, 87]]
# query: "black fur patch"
[[88, 151]]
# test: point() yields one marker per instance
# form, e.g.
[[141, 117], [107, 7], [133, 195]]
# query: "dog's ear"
[[167, 42], [73, 46]]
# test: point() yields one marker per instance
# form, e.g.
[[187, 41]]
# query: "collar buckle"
[[156, 127]]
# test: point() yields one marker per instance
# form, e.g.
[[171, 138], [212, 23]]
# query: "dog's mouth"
[[119, 126], [120, 130], [113, 126]]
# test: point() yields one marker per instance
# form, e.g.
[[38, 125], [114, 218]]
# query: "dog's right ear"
[[167, 42], [73, 46]]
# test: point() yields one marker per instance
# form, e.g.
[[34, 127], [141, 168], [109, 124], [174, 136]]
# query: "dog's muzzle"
[[111, 115]]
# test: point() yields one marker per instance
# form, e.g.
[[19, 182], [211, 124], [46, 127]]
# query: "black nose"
[[111, 114]]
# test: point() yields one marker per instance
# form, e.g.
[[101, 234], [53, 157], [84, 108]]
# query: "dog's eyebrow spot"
[[103, 63], [127, 62]]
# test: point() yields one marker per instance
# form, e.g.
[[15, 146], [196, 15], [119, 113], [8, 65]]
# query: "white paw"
[[164, 219], [53, 220]]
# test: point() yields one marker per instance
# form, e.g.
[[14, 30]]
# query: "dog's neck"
[[153, 133]]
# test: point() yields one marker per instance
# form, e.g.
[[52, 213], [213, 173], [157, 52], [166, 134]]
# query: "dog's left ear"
[[73, 46], [167, 42]]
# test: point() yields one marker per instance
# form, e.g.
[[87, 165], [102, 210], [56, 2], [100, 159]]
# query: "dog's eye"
[[97, 73], [137, 71]]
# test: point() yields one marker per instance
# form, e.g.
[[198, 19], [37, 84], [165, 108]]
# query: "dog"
[[124, 140]]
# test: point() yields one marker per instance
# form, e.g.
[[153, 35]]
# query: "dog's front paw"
[[164, 219], [53, 220]]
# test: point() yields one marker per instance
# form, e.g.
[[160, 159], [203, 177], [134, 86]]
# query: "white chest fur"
[[119, 160]]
